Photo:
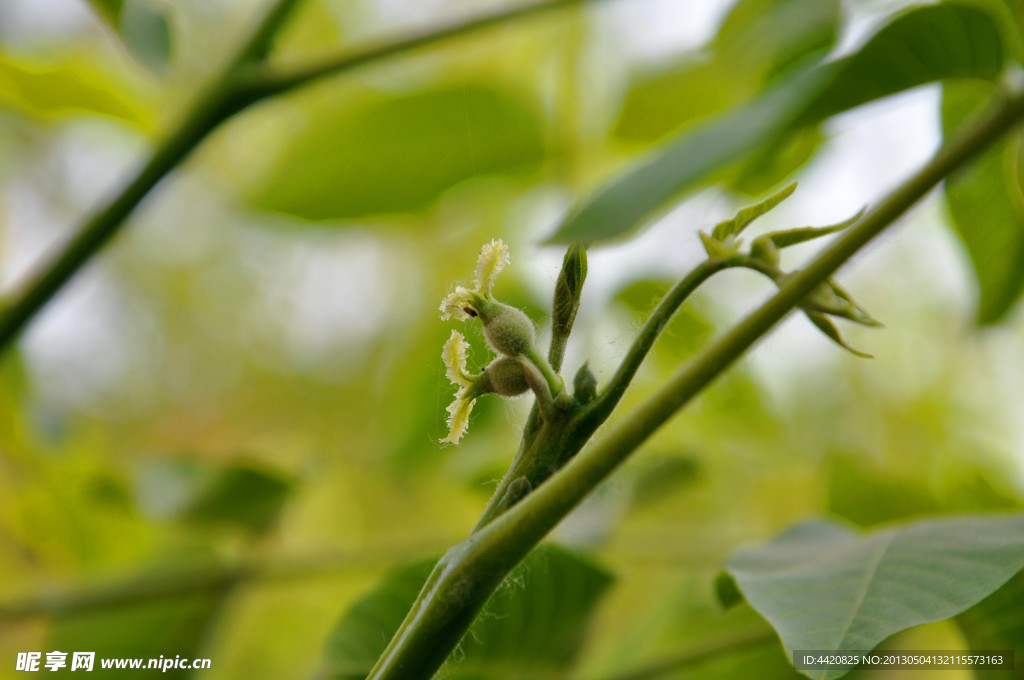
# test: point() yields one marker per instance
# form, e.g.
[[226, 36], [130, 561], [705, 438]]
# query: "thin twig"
[[160, 585], [269, 80]]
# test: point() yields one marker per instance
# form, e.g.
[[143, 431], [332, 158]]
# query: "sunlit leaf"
[[50, 89], [866, 587], [532, 627], [986, 207], [398, 153]]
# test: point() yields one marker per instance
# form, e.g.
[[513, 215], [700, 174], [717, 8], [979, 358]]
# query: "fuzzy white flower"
[[493, 258], [454, 356]]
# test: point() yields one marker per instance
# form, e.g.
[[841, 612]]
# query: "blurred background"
[[225, 430]]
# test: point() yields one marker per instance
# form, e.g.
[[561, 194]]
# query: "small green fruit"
[[505, 377], [508, 330]]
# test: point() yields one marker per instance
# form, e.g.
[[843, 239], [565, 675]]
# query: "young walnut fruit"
[[505, 377], [508, 330]]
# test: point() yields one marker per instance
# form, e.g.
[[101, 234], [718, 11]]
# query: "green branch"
[[161, 585], [652, 328], [267, 81], [217, 101], [242, 82], [469, 573]]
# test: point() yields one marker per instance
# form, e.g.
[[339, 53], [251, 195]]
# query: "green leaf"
[[936, 42], [533, 627], [398, 153], [242, 496], [826, 326], [791, 237], [148, 630], [143, 27], [757, 40], [53, 89], [924, 45], [777, 162], [735, 226], [986, 209], [772, 35], [997, 622], [823, 586], [726, 590], [689, 160]]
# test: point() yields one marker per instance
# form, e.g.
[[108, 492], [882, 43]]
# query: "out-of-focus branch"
[[245, 80], [161, 585], [266, 80]]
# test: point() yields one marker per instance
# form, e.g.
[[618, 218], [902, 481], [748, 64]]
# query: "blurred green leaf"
[[757, 40], [923, 45], [72, 86], [687, 330], [149, 630], [143, 27], [726, 591], [986, 208], [240, 495], [664, 478], [690, 160], [778, 161], [936, 42], [997, 622], [866, 587], [531, 628], [398, 153], [362, 634]]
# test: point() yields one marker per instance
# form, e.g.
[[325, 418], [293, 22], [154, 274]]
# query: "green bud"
[[505, 377], [508, 330], [715, 248], [584, 385], [764, 249], [568, 288]]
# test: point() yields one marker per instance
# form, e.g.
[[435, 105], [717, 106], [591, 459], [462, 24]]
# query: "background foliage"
[[223, 434]]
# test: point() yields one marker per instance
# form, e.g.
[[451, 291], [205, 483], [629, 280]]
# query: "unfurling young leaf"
[[826, 326], [744, 217], [791, 237], [829, 298]]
